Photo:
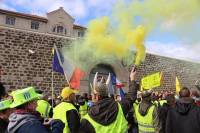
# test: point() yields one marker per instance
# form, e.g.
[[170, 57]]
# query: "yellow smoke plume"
[[117, 42], [129, 24]]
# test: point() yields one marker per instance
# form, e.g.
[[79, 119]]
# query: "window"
[[54, 29], [34, 25], [10, 20], [60, 29], [80, 34]]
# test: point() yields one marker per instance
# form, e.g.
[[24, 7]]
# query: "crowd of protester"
[[29, 110]]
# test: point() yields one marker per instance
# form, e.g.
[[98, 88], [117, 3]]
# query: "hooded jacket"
[[184, 118], [105, 111], [28, 123]]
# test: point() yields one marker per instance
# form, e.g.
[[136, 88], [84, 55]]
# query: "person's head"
[[85, 95], [194, 93], [154, 97], [25, 99], [170, 99], [101, 92], [184, 92], [117, 98], [29, 107], [5, 109], [146, 96], [44, 96], [81, 100], [68, 94]]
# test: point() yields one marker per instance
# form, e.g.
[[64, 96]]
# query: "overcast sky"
[[85, 10]]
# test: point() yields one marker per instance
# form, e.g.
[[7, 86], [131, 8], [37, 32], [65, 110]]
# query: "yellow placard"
[[151, 81]]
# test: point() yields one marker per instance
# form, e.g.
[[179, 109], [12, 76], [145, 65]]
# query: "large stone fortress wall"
[[21, 68]]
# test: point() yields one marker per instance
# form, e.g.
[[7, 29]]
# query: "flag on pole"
[[57, 61], [116, 81], [75, 79], [64, 65], [178, 86], [118, 84]]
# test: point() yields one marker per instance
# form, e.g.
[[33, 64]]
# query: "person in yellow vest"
[[83, 106], [147, 115], [43, 106], [67, 112], [25, 118], [107, 115]]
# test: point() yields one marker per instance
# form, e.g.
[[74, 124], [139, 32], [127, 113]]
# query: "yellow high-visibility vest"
[[145, 123], [162, 102], [83, 109], [43, 107], [59, 112], [120, 125]]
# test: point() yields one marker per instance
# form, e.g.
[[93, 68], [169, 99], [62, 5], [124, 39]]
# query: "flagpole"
[[67, 79], [52, 89]]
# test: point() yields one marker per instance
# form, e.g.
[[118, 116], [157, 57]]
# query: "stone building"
[[57, 22], [26, 55]]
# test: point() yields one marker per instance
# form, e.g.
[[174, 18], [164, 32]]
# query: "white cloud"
[[175, 50], [79, 9], [76, 8]]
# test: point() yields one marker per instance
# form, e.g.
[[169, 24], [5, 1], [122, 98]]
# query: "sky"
[[164, 44]]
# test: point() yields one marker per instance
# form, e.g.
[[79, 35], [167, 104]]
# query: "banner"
[[178, 86], [151, 81]]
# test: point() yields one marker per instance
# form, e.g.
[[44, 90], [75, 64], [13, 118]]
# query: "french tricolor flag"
[[116, 81], [118, 84], [64, 65]]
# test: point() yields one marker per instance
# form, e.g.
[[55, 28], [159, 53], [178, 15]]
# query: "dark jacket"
[[184, 118], [73, 120], [3, 126], [163, 115], [28, 123], [105, 111]]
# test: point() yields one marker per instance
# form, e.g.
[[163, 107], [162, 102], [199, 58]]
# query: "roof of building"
[[24, 15], [75, 26], [61, 9], [34, 17]]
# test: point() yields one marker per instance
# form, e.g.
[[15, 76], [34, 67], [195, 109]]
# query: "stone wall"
[[187, 72], [20, 68]]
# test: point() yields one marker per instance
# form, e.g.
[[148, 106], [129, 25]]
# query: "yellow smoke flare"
[[139, 44], [128, 25]]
